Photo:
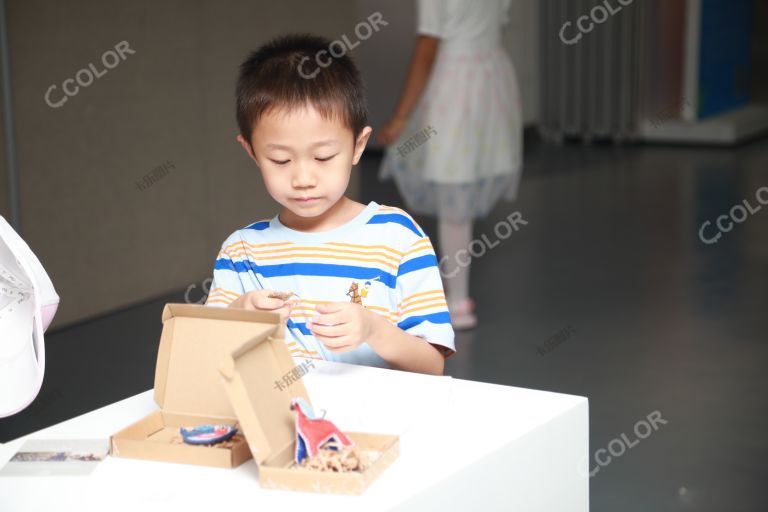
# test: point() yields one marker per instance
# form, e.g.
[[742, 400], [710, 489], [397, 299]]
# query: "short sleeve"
[[431, 17], [226, 286], [422, 309]]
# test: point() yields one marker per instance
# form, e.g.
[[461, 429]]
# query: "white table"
[[464, 446]]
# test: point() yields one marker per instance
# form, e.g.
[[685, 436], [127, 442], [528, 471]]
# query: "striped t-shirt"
[[381, 258]]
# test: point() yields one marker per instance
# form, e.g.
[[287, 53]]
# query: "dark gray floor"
[[655, 320]]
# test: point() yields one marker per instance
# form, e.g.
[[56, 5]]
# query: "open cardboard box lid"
[[263, 409], [191, 346]]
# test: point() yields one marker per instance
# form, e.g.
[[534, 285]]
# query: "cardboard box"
[[218, 365], [263, 409], [188, 386]]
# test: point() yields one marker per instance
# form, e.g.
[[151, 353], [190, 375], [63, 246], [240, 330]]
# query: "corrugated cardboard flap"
[[191, 347], [263, 409]]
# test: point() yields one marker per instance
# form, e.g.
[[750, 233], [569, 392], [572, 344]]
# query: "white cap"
[[28, 303]]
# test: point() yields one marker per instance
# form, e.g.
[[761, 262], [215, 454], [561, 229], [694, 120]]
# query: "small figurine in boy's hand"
[[266, 300], [281, 295]]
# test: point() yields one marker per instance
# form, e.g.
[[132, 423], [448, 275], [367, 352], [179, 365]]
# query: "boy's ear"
[[247, 147], [360, 143]]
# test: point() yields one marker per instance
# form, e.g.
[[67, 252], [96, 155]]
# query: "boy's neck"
[[337, 215]]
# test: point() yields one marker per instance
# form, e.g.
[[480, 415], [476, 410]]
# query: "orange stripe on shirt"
[[384, 208], [428, 299], [387, 264], [408, 312], [420, 294], [239, 243], [420, 246], [295, 346], [222, 291], [314, 248], [219, 301], [359, 246], [303, 352]]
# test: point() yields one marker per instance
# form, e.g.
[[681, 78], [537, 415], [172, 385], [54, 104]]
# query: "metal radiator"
[[590, 68]]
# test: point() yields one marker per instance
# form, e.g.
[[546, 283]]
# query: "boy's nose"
[[303, 177]]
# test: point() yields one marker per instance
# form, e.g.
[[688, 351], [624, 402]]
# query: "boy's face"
[[305, 160]]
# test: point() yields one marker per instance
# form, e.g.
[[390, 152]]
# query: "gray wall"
[[105, 243], [108, 244]]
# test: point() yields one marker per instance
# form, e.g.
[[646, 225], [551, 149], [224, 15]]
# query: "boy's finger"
[[336, 344], [284, 313], [328, 319], [330, 307], [341, 350], [249, 305], [267, 303], [331, 331]]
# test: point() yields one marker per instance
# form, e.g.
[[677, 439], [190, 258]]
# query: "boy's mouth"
[[306, 200]]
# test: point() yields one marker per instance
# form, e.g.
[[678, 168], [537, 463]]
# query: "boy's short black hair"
[[286, 73]]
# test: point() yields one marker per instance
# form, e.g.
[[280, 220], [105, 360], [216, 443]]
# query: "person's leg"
[[454, 244]]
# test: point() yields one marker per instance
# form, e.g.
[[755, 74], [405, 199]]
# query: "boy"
[[364, 279]]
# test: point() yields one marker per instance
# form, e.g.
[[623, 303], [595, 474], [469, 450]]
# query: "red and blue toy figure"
[[312, 433], [207, 434]]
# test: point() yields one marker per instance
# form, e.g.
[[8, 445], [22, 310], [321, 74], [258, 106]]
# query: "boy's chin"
[[308, 211], [314, 208]]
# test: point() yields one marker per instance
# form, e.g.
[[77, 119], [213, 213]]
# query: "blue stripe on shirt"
[[227, 264], [307, 269], [442, 317], [259, 226], [300, 326], [397, 218], [426, 261]]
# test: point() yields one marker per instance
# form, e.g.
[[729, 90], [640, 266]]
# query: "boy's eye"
[[325, 159], [279, 162]]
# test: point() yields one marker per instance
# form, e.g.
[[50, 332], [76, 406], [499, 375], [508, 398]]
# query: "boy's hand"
[[342, 326], [259, 300]]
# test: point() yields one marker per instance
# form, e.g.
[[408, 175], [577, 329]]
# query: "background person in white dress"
[[455, 138]]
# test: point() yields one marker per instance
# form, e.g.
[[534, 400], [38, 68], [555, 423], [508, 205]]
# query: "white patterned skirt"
[[461, 149]]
